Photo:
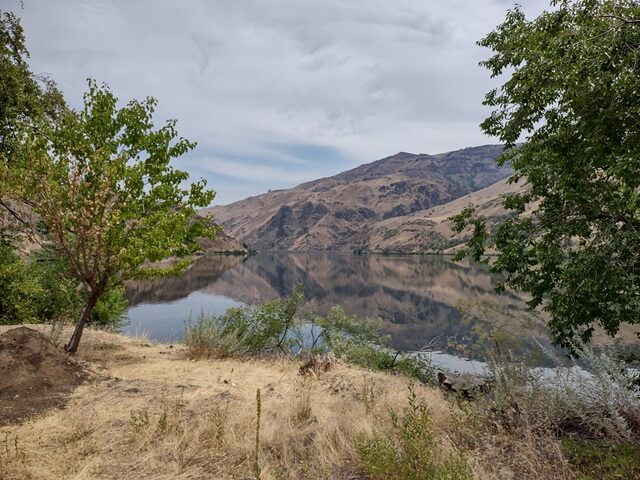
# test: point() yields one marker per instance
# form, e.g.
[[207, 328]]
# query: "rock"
[[467, 386]]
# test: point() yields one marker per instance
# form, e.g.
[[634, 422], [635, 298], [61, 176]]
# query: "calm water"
[[420, 299]]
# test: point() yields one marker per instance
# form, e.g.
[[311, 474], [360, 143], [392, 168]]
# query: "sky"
[[278, 92]]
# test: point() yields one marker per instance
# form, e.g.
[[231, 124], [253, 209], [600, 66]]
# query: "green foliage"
[[34, 291], [102, 183], [410, 451], [356, 341], [38, 291], [597, 459], [281, 326], [211, 336], [476, 244], [248, 330], [18, 289], [175, 270], [59, 299], [572, 242], [24, 96], [110, 309]]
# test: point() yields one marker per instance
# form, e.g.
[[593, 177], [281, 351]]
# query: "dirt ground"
[[34, 375]]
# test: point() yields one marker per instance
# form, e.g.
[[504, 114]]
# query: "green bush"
[[58, 299], [282, 326], [211, 336], [356, 341], [598, 459], [268, 328], [410, 451], [18, 288], [110, 309], [37, 291]]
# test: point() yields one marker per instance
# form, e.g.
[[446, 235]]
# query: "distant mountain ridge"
[[342, 212]]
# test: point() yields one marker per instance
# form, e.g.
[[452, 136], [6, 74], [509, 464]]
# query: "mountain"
[[222, 243], [430, 230], [337, 213]]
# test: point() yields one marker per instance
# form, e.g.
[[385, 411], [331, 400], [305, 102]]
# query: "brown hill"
[[429, 230], [331, 213], [222, 243]]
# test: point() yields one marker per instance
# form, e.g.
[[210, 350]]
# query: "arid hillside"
[[332, 213], [430, 230]]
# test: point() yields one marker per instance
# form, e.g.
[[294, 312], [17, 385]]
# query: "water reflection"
[[415, 296]]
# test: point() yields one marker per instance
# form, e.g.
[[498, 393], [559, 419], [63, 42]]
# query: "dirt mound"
[[34, 375]]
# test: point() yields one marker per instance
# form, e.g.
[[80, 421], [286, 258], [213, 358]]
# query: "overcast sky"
[[277, 92]]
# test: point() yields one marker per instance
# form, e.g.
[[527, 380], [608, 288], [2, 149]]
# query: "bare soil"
[[34, 375]]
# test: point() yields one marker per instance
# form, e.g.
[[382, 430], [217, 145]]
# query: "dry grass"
[[152, 413], [155, 414]]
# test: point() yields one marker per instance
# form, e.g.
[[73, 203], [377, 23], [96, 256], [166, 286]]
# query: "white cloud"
[[368, 78]]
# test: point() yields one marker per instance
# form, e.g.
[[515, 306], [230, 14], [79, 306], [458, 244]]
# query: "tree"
[[101, 183], [24, 99], [573, 101], [23, 94]]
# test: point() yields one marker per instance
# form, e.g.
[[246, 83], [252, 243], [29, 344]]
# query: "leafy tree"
[[101, 183], [23, 94], [573, 99], [24, 98]]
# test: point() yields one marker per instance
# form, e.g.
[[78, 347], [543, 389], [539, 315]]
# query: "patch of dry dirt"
[[34, 375]]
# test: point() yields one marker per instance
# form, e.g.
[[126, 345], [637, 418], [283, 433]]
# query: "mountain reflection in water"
[[417, 297]]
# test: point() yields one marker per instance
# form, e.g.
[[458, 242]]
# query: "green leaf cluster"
[[102, 183], [568, 114], [24, 96], [410, 451], [38, 290]]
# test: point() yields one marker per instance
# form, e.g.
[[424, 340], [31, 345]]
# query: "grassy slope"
[[201, 418], [153, 413]]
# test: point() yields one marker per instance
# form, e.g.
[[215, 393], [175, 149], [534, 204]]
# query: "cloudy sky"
[[277, 92]]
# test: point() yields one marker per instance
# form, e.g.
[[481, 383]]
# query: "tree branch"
[[13, 213], [622, 19]]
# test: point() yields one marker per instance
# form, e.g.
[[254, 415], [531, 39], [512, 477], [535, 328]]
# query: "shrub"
[[410, 451], [17, 289], [356, 341], [110, 309], [540, 415], [58, 298], [37, 291], [603, 460], [212, 336], [267, 328], [282, 326]]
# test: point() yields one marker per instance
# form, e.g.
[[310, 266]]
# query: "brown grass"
[[154, 414]]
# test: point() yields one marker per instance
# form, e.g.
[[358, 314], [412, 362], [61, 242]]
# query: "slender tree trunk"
[[74, 341]]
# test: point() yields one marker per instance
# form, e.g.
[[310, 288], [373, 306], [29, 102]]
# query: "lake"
[[423, 300]]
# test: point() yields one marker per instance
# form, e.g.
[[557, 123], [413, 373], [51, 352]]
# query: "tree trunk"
[[74, 341]]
